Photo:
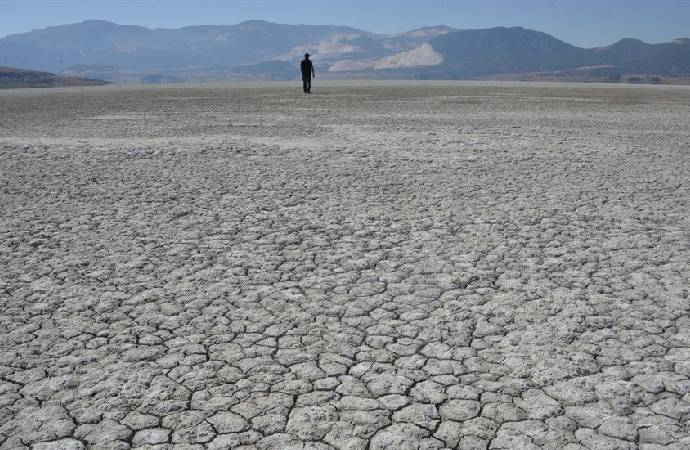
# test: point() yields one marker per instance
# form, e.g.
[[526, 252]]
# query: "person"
[[307, 73]]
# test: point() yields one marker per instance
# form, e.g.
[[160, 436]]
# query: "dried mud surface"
[[383, 266]]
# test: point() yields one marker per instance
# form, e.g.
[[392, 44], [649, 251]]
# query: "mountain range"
[[264, 50]]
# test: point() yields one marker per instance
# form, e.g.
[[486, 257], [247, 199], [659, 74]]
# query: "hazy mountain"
[[518, 51], [18, 78], [506, 50], [264, 50], [635, 56], [137, 48]]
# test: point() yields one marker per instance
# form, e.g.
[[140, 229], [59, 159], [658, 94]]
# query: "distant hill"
[[101, 43], [264, 50], [520, 51], [19, 78], [635, 56], [505, 50]]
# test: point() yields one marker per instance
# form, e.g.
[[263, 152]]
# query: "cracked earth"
[[376, 266]]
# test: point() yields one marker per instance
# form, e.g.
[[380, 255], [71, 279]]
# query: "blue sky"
[[586, 23]]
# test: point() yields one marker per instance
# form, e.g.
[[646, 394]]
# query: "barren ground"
[[376, 266]]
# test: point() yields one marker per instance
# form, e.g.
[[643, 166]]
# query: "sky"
[[587, 23]]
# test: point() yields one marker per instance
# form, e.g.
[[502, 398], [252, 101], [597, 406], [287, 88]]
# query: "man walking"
[[307, 73]]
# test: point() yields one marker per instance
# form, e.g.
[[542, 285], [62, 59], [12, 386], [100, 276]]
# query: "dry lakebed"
[[379, 265]]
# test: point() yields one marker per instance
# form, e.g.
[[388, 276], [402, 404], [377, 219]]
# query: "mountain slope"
[[518, 51], [132, 47], [635, 56], [506, 50], [18, 78]]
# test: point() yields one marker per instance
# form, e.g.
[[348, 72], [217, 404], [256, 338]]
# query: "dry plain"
[[374, 266]]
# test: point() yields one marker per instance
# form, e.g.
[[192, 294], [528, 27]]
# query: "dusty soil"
[[374, 266]]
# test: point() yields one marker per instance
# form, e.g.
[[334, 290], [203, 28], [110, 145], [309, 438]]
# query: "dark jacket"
[[307, 68]]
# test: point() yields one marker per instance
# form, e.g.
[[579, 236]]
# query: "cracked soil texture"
[[375, 266]]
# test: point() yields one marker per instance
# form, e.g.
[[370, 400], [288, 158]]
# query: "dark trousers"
[[306, 84]]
